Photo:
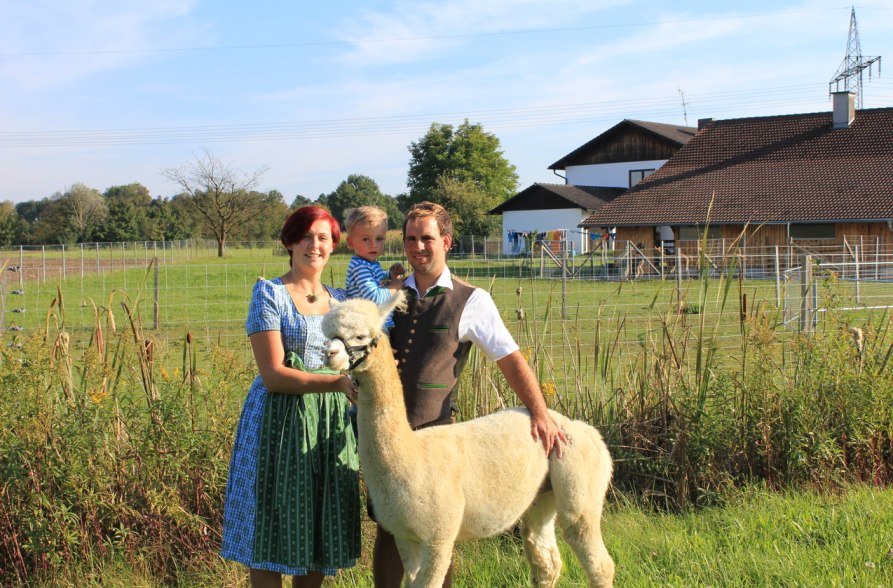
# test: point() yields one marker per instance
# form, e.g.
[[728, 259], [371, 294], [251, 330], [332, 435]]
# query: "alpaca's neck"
[[384, 426]]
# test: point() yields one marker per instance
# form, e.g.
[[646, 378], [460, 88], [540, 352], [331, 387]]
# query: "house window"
[[814, 231], [637, 175]]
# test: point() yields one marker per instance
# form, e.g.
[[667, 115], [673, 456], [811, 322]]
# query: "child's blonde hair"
[[367, 215]]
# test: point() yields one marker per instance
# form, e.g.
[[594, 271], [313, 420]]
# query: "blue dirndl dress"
[[292, 497]]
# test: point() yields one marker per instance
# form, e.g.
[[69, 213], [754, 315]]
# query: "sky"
[[110, 93]]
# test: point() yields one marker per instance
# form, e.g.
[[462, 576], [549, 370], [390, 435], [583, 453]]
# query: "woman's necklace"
[[311, 297]]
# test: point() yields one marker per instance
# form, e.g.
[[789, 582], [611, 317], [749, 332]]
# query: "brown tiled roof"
[[545, 196], [778, 169], [676, 135]]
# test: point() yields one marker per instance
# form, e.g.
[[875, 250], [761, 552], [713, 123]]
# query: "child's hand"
[[397, 271]]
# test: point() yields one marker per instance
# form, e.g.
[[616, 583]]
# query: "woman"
[[292, 498]]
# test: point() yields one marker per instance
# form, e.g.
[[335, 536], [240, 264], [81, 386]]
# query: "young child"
[[366, 229]]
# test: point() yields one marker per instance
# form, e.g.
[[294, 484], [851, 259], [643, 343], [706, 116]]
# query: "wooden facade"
[[632, 144], [760, 236]]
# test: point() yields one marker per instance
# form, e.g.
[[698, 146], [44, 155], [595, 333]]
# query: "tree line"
[[461, 167]]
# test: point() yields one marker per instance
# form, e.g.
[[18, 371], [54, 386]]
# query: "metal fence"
[[617, 290]]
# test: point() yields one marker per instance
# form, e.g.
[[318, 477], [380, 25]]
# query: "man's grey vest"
[[429, 354]]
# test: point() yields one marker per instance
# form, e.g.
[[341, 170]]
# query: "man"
[[431, 342]]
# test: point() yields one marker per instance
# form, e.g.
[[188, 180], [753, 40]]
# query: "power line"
[[712, 103], [413, 39]]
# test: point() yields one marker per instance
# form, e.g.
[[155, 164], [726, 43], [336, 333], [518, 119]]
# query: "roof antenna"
[[684, 112], [850, 71]]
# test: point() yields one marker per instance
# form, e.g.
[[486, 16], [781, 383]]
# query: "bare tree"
[[221, 196]]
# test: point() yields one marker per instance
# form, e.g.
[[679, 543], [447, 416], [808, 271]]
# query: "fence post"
[[3, 298], [678, 277], [663, 262], [563, 279], [155, 322], [43, 262], [542, 257], [806, 308], [63, 261], [777, 279], [858, 274]]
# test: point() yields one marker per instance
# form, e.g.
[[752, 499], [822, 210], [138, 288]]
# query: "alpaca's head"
[[354, 326]]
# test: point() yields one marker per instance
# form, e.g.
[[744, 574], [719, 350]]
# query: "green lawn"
[[759, 539]]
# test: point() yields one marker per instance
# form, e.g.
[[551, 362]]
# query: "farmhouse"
[[805, 179], [595, 174]]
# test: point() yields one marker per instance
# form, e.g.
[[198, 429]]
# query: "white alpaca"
[[434, 487]]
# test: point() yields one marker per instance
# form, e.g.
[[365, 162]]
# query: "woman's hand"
[[347, 386]]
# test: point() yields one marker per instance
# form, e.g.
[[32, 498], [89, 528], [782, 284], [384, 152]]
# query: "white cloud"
[[410, 31], [53, 43]]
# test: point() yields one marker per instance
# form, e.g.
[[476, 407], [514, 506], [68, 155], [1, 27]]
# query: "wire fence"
[[553, 299]]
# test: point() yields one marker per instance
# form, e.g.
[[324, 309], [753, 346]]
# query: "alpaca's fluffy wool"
[[434, 487]]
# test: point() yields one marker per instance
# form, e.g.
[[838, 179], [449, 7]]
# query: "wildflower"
[[165, 375], [549, 389], [97, 395]]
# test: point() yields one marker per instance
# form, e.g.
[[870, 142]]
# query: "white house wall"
[[614, 175], [541, 221]]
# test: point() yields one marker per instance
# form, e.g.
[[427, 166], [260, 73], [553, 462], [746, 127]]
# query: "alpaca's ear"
[[397, 302]]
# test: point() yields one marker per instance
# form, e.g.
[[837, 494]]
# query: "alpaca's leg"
[[580, 481], [585, 538], [435, 562], [538, 532], [411, 556]]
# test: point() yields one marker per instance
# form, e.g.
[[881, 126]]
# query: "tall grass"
[[102, 451], [114, 440]]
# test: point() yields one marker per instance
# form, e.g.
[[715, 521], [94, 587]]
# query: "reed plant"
[[103, 451]]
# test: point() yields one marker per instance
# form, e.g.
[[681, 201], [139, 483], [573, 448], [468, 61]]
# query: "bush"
[[104, 449]]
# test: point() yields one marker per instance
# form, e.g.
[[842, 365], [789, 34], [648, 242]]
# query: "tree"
[[52, 223], [9, 223], [29, 212], [85, 210], [128, 210], [300, 201], [358, 190], [267, 224], [220, 195], [468, 160], [171, 220], [468, 206]]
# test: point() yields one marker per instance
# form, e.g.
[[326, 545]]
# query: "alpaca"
[[434, 487]]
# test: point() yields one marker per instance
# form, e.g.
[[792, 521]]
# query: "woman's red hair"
[[300, 221]]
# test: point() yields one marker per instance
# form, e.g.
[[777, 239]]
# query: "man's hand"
[[544, 429]]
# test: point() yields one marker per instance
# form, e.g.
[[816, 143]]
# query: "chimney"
[[704, 122], [844, 109]]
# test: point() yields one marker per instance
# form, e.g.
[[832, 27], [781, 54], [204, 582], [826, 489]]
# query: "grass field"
[[758, 539], [115, 434]]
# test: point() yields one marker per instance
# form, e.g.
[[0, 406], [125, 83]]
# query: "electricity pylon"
[[850, 71]]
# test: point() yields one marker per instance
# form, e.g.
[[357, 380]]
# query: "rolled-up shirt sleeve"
[[481, 324]]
